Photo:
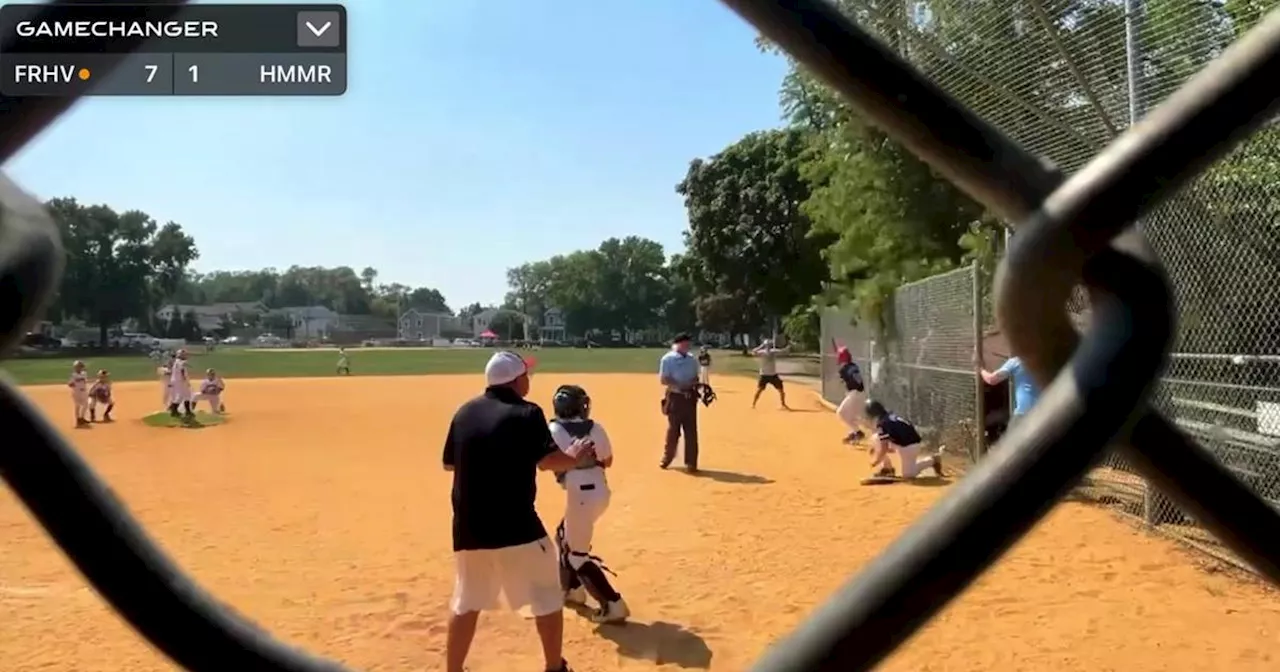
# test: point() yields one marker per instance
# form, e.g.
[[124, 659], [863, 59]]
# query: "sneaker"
[[564, 667], [614, 612], [886, 472], [576, 595]]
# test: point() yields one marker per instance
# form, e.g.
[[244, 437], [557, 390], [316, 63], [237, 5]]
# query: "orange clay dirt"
[[320, 510]]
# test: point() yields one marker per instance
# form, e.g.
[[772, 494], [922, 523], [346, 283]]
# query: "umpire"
[[678, 372]]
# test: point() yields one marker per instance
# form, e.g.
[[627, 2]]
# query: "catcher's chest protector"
[[580, 429]]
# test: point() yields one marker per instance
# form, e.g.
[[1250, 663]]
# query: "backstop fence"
[[1065, 77]]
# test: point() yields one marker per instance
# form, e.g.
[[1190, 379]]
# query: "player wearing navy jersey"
[[704, 365], [855, 396], [894, 434]]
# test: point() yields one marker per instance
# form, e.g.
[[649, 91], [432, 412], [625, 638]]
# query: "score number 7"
[[153, 69]]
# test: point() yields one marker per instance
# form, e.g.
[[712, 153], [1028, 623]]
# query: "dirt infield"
[[320, 510]]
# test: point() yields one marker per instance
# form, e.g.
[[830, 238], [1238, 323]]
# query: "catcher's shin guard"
[[568, 576], [594, 580]]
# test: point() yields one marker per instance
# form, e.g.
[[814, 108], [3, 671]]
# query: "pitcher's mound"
[[202, 419]]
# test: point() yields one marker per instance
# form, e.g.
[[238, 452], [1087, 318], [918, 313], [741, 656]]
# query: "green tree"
[[189, 328], [749, 232], [428, 300], [115, 262]]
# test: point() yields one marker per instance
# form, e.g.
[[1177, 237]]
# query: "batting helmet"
[[876, 409], [571, 401]]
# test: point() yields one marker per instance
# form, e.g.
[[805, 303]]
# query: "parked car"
[[41, 342]]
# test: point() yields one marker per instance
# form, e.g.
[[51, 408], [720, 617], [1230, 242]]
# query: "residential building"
[[480, 321], [306, 322], [417, 325], [210, 317], [553, 325]]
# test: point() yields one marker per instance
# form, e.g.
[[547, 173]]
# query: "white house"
[[553, 327], [416, 325], [210, 317], [480, 321], [308, 322]]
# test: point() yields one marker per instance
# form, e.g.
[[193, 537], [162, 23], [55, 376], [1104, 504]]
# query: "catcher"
[[588, 498], [100, 393], [211, 391]]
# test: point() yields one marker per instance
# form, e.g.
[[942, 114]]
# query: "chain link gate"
[[1071, 231]]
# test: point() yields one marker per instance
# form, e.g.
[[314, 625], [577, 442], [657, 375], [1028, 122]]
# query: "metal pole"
[[980, 387], [1133, 56], [1133, 70]]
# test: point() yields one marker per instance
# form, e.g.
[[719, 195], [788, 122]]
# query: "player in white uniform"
[[79, 384], [344, 364], [211, 391], [588, 498], [165, 371], [180, 385], [100, 393]]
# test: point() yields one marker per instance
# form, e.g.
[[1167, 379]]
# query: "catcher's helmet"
[[875, 409], [571, 401]]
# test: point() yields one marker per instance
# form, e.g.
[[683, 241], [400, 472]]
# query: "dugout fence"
[[1064, 77]]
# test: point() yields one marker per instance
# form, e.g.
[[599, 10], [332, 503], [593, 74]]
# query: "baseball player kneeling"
[[896, 435], [211, 391], [588, 498]]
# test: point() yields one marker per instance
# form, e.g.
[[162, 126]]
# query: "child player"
[[79, 384], [704, 365], [588, 498], [896, 435], [855, 401], [211, 391], [344, 364], [180, 386], [100, 393]]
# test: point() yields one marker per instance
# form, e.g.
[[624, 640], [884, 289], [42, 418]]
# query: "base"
[[201, 419]]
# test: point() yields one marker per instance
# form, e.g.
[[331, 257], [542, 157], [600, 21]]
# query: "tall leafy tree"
[[114, 260], [748, 231]]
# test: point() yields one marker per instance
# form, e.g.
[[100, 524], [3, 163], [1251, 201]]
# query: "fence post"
[[979, 387]]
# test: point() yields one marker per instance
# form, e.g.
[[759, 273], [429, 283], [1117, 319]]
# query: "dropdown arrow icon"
[[321, 30]]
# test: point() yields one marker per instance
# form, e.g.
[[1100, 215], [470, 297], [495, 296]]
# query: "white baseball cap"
[[504, 367]]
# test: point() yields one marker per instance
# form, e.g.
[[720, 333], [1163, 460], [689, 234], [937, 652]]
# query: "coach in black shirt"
[[496, 444]]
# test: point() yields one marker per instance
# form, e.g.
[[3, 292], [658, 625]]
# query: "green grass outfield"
[[247, 363]]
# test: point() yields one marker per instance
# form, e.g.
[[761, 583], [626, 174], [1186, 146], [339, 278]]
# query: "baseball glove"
[[707, 394]]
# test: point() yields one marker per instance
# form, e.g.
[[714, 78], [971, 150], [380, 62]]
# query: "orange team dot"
[[84, 73]]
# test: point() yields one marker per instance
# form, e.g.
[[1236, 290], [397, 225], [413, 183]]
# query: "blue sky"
[[474, 136]]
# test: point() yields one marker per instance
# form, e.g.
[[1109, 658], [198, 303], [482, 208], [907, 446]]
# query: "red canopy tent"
[[488, 334]]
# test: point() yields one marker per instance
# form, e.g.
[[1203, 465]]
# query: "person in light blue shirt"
[[1025, 390], [678, 373]]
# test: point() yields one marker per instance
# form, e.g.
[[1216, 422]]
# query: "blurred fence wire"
[[1064, 77]]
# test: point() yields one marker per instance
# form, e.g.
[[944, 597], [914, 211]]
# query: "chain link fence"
[[1065, 77], [921, 362]]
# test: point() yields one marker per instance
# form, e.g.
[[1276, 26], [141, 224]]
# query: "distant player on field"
[[344, 365], [165, 371], [181, 386], [704, 365], [100, 393], [79, 384], [768, 355], [211, 389]]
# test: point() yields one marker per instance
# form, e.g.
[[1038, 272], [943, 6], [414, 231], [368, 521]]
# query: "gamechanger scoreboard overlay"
[[205, 50]]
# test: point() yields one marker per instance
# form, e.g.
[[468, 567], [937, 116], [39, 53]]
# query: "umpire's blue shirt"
[[681, 369]]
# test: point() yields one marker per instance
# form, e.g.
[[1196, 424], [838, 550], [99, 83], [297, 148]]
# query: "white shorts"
[[528, 576]]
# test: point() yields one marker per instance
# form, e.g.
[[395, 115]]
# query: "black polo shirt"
[[494, 445]]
